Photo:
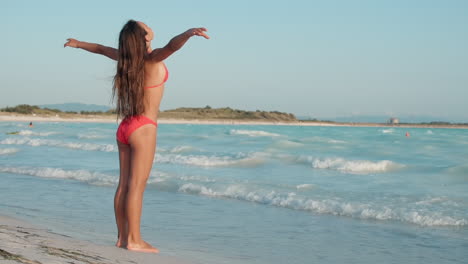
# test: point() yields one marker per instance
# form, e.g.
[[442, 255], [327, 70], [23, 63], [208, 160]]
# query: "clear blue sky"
[[315, 58]]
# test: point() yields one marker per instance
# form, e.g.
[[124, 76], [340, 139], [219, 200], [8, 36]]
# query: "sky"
[[320, 59]]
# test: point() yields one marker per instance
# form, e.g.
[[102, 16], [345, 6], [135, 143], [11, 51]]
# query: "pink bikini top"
[[165, 79]]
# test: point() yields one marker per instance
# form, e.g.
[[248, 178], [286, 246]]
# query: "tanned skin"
[[136, 158]]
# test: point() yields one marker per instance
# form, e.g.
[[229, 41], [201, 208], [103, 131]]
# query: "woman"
[[138, 86]]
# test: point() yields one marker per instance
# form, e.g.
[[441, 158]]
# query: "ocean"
[[253, 193]]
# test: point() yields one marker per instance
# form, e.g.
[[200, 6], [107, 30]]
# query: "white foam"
[[355, 166], [253, 133], [89, 177], [388, 131], [326, 206], [90, 146], [35, 133], [306, 186], [323, 139], [8, 151], [444, 201], [429, 132], [91, 136], [303, 160], [94, 178], [196, 178], [252, 160], [182, 149], [335, 141], [35, 142], [284, 144]]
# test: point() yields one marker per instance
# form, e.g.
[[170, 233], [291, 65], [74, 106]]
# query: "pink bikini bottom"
[[129, 125]]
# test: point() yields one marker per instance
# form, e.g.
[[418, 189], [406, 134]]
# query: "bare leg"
[[121, 194], [143, 145]]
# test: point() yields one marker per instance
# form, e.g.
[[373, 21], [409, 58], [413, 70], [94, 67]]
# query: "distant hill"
[[76, 107], [206, 113], [227, 113]]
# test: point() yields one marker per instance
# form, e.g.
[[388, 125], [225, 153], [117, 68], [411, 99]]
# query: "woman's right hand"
[[71, 42]]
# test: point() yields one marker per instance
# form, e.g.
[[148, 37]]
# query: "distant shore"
[[15, 117]]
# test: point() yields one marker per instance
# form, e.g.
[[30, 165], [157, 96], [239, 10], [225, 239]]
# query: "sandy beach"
[[111, 119], [22, 242]]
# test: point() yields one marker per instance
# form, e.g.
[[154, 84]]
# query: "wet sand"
[[22, 242]]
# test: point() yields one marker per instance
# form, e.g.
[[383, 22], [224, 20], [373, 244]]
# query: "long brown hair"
[[128, 81]]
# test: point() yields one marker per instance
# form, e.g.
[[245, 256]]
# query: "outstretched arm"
[[176, 43], [93, 47]]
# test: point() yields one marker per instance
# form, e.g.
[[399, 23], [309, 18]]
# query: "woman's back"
[[156, 75]]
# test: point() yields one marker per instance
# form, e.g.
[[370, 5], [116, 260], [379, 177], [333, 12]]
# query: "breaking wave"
[[340, 164], [326, 206], [8, 151], [252, 160], [94, 178], [34, 133], [98, 178], [182, 149], [416, 212], [388, 131], [355, 166], [306, 186], [287, 144], [253, 133], [91, 136], [36, 142]]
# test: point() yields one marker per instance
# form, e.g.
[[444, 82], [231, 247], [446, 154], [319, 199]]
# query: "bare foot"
[[142, 247], [121, 243]]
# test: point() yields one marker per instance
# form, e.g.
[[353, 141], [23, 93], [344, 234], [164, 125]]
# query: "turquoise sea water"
[[253, 194]]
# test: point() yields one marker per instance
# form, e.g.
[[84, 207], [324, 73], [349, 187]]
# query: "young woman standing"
[[138, 87]]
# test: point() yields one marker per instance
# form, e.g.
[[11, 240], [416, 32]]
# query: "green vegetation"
[[227, 113], [34, 109], [21, 109], [206, 113]]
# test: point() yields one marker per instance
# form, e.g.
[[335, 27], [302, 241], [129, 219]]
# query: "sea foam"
[[251, 160], [388, 131], [97, 178], [182, 149], [287, 144], [355, 166], [35, 133], [94, 178], [253, 133], [36, 142], [325, 206], [305, 186], [91, 136], [8, 151]]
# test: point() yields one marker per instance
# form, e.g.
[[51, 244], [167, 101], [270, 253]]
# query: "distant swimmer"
[[407, 134], [138, 86], [30, 124]]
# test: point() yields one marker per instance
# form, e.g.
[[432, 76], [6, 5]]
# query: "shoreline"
[[23, 242], [7, 117]]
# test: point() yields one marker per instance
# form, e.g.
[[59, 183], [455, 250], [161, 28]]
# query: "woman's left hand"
[[197, 32]]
